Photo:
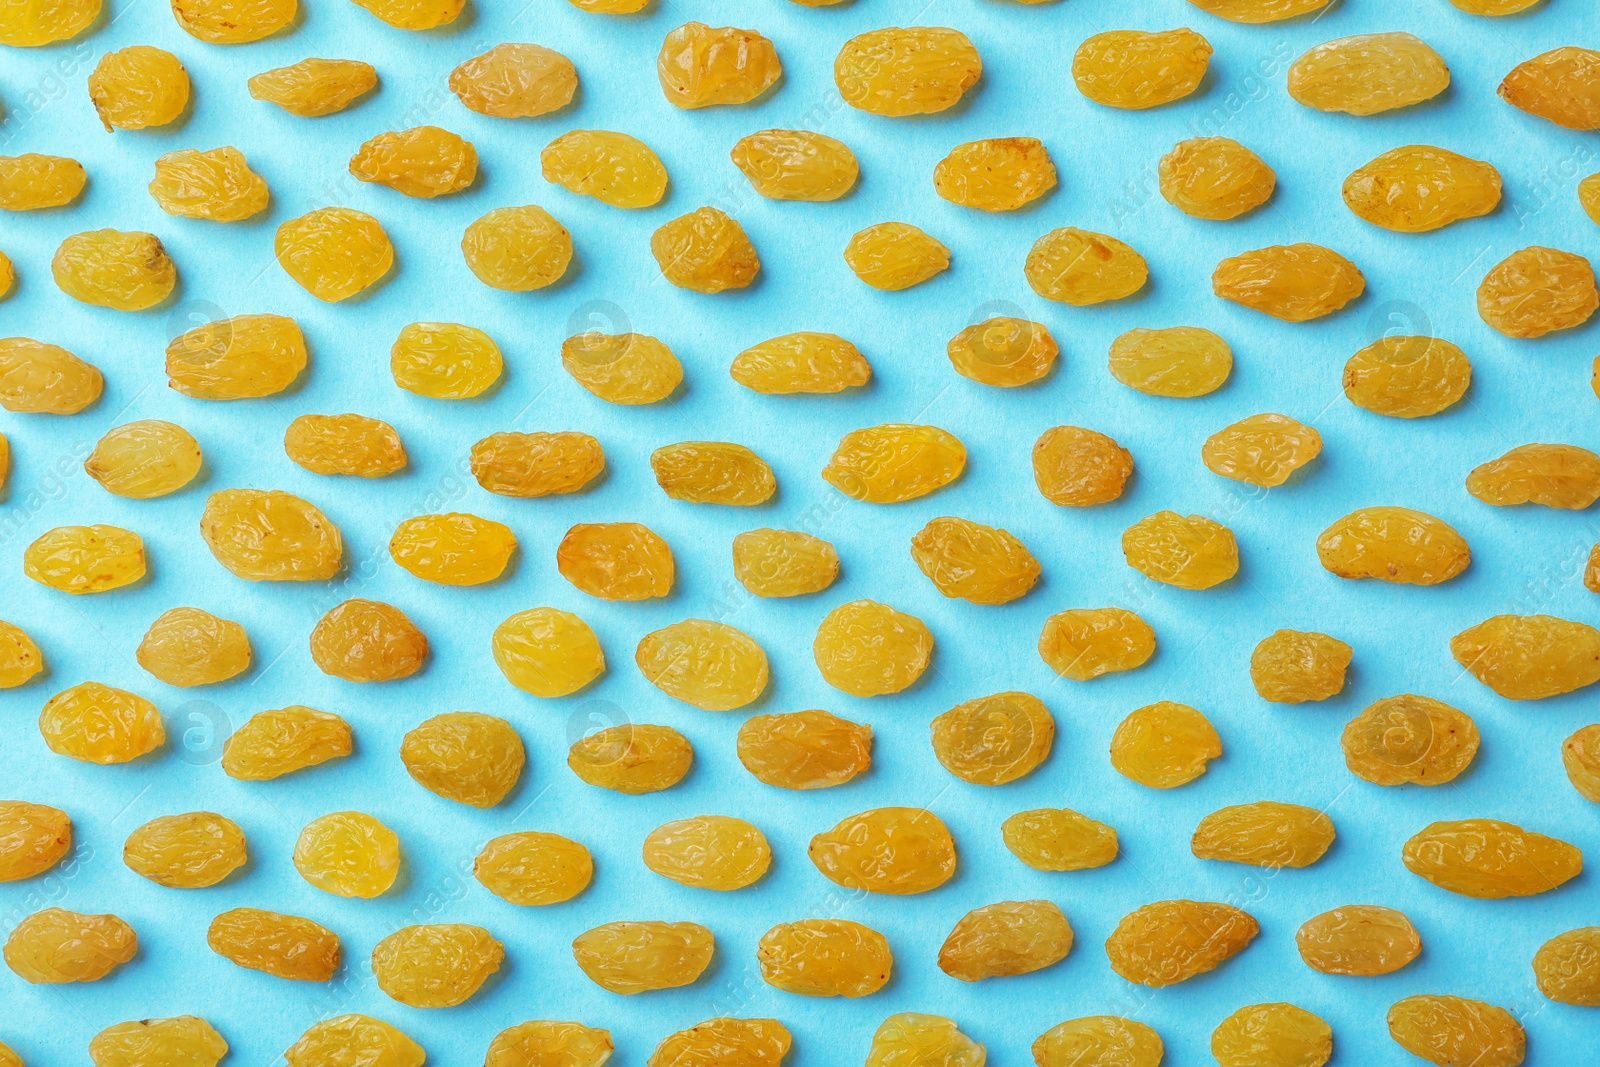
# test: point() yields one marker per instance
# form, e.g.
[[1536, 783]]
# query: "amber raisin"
[[632, 758], [713, 472], [537, 464], [1084, 643], [1191, 552], [995, 739], [1135, 69], [1490, 859], [98, 724], [55, 946], [233, 21], [1292, 667], [1565, 970], [453, 549], [895, 462], [115, 269], [628, 368], [1537, 290], [20, 658], [314, 87], [978, 563], [708, 852], [801, 363], [190, 851], [1295, 283], [344, 444], [612, 167], [1164, 745], [998, 174], [367, 641], [1059, 839], [549, 1044], [1409, 739], [1368, 74], [1561, 85], [189, 647], [1079, 267], [144, 459], [898, 851], [1215, 178], [724, 1043], [1529, 657], [1420, 188], [334, 253], [825, 958], [1358, 939], [359, 1039], [437, 965], [348, 854], [1393, 545], [1407, 377], [1099, 1041], [701, 66], [547, 652], [45, 379], [33, 839], [186, 1039], [85, 559], [464, 756], [637, 957], [869, 649], [286, 946], [515, 81], [1010, 938], [534, 869], [895, 72], [274, 743], [895, 255], [708, 664], [1263, 450], [421, 162], [706, 251], [32, 25], [782, 563], [139, 86], [804, 749], [1003, 351], [1172, 941], [1457, 1032], [1580, 755], [1557, 476], [234, 359], [32, 181], [1277, 1033], [1264, 834], [796, 165]]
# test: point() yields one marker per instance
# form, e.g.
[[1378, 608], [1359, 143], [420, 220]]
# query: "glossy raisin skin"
[[32, 25], [632, 758], [536, 464], [1171, 941], [896, 72], [45, 379], [910, 1039], [453, 549], [188, 647], [1393, 545], [1003, 351], [286, 946], [1580, 756], [56, 946], [422, 162], [344, 444], [804, 749], [1084, 643], [1564, 967], [1191, 552], [271, 536], [616, 561], [869, 649], [1536, 291], [1358, 939], [359, 1040], [1134, 69], [997, 174], [549, 1044], [1010, 938], [240, 358], [614, 168], [897, 851], [1409, 739], [801, 363], [315, 87], [1419, 188], [137, 87], [1099, 1041], [1264, 834], [1272, 1033], [629, 368], [1293, 667], [1490, 859], [547, 652], [825, 958], [1262, 450], [534, 869], [233, 21], [272, 744], [1215, 178], [85, 559], [1368, 74], [995, 739], [708, 664], [1562, 85], [368, 641], [186, 1039], [977, 563], [348, 854], [515, 81], [1256, 11], [637, 957], [1457, 1032], [895, 255], [1530, 657], [1075, 467], [1080, 267], [1059, 839], [783, 563], [1295, 283], [115, 269], [436, 966], [1557, 476], [713, 472], [334, 253], [33, 839], [895, 462], [191, 851], [1164, 745], [144, 459], [700, 65], [724, 1043], [465, 756], [445, 360], [1407, 377], [20, 658], [708, 852], [217, 185], [100, 724], [705, 251], [796, 165]]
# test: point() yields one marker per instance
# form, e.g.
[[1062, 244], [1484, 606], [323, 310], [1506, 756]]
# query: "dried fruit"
[[438, 965], [1215, 178], [1264, 834], [1084, 643], [98, 724], [724, 1043], [1490, 859], [1368, 74], [1493, 7], [1536, 290], [1280, 1034], [188, 647], [825, 958], [1420, 188], [1010, 938], [895, 255], [713, 472], [348, 854], [136, 87], [1457, 1032], [515, 81], [1409, 739], [1358, 939], [1295, 283], [1589, 197], [1293, 666], [445, 360], [32, 25], [616, 560], [1562, 85], [20, 658], [612, 167], [1407, 377], [1080, 267], [1135, 69], [31, 182], [1393, 545], [334, 253], [995, 739], [632, 758], [1262, 449], [898, 851], [40, 378], [895, 462], [796, 165], [233, 21], [1565, 970], [271, 536], [144, 459], [550, 1044], [185, 1039], [801, 363], [1172, 941], [804, 749], [627, 368], [1190, 553], [910, 1039], [779, 563], [1079, 468], [637, 957], [533, 868], [55, 946], [285, 946], [1003, 351], [1059, 839], [359, 1040], [708, 852], [1164, 745], [701, 66], [110, 268], [914, 71], [1529, 657], [85, 559], [414, 14], [240, 358], [869, 649], [315, 87], [1259, 10], [517, 249], [274, 743], [367, 641], [1180, 361], [1580, 755], [547, 652], [464, 756], [453, 549], [998, 174], [191, 851], [344, 444], [8, 1057], [708, 664], [1098, 1041], [33, 838], [1557, 476], [424, 161], [706, 251], [979, 563], [537, 464], [8, 277]]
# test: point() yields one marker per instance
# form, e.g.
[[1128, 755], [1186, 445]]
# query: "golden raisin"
[[235, 359], [233, 21], [1358, 939], [274, 743], [537, 464], [1010, 938], [796, 165], [801, 363], [534, 869], [637, 957], [55, 946], [1529, 657], [1493, 7], [1180, 361], [31, 182], [1295, 283], [1215, 178], [896, 72], [144, 459], [616, 560], [1561, 85], [1393, 545], [360, 1040], [517, 249], [85, 559], [1135, 69], [898, 851], [1293, 666], [701, 66], [1407, 377], [998, 174], [185, 1039], [444, 360], [978, 563], [1565, 970], [437, 965], [1171, 941], [414, 14], [632, 758], [188, 647], [1457, 1032], [825, 958], [1368, 74], [1589, 197], [20, 658], [1164, 745], [1262, 449], [895, 255], [1264, 834], [35, 24], [110, 268], [1079, 468], [612, 167], [315, 87], [367, 641], [344, 444], [895, 462], [286, 946], [1259, 10], [1580, 756], [910, 1039], [271, 536], [464, 756], [1557, 476], [804, 749], [708, 852], [1080, 267], [547, 652], [348, 854], [1084, 643], [33, 838], [1003, 351], [1490, 859], [713, 472], [708, 664], [1537, 290], [549, 1044], [515, 81], [190, 851], [995, 739], [424, 161], [724, 1043], [1278, 1033], [334, 253], [1190, 553], [869, 649], [779, 563], [1420, 188], [706, 251], [1409, 739], [1099, 1041], [627, 368], [453, 549], [1059, 839], [140, 86]]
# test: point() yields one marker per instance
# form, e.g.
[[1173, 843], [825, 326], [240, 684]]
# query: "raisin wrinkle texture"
[[896, 851], [1368, 74], [896, 72], [1457, 1032], [1393, 544], [1171, 941], [1490, 859], [1136, 69], [1530, 657]]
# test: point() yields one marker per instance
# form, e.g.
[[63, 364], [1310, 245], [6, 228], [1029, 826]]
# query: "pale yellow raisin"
[[115, 269], [140, 86], [1003, 351], [796, 165], [1191, 552], [1059, 839], [612, 167], [632, 758], [638, 957], [896, 851], [708, 664], [517, 249], [1164, 745], [56, 946], [534, 869], [706, 251], [825, 958], [453, 549], [1180, 361], [1295, 283], [20, 658], [547, 652], [1409, 739], [185, 1039], [274, 743], [344, 444], [515, 81], [1368, 74], [708, 852], [188, 647], [348, 854], [1358, 939], [190, 851], [367, 641], [998, 174], [702, 66], [804, 749], [85, 559], [918, 70], [780, 563], [217, 185], [1079, 267], [315, 87], [713, 472], [866, 649], [537, 464], [1264, 834], [1172, 941], [32, 182], [895, 462], [1084, 643], [627, 368], [424, 161], [1010, 938], [235, 359], [978, 563], [144, 459], [996, 739], [334, 253], [802, 363], [616, 560], [1135, 69], [271, 536], [895, 255]]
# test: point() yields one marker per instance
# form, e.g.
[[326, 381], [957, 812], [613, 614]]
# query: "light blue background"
[[1525, 559]]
